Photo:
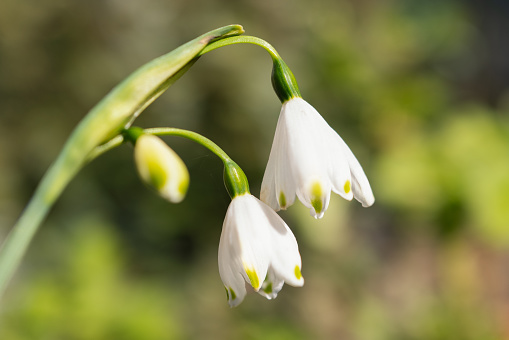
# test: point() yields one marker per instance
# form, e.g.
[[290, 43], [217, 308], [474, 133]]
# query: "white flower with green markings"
[[309, 159], [258, 248], [161, 168]]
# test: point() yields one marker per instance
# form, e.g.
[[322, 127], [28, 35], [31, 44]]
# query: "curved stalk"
[[192, 136], [235, 180], [244, 39]]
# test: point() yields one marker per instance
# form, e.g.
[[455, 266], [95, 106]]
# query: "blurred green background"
[[419, 91]]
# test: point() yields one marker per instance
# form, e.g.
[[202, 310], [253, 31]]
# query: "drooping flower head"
[[256, 246], [308, 158]]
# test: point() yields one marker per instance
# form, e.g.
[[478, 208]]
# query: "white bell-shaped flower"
[[256, 248], [161, 168], [309, 159]]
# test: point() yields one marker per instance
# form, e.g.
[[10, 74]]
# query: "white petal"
[[249, 238], [360, 184], [230, 266], [284, 176], [278, 190], [341, 179], [271, 286], [315, 195], [332, 159], [308, 155], [268, 188], [285, 260], [305, 150]]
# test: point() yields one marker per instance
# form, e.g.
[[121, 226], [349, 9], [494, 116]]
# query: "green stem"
[[192, 136], [113, 143], [50, 188], [283, 80], [235, 180], [244, 39]]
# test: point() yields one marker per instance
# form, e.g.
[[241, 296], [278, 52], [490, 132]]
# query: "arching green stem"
[[113, 143], [283, 80], [234, 178], [245, 39], [192, 136]]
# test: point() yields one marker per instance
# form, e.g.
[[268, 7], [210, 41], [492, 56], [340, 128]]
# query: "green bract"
[[235, 180], [283, 81]]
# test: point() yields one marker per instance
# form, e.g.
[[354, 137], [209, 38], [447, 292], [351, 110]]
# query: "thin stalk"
[[234, 178], [98, 151], [192, 136], [243, 39]]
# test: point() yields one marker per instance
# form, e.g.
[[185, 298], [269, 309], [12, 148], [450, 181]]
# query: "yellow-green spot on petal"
[[268, 288], [253, 277], [232, 294], [282, 200], [347, 187], [316, 197], [298, 274], [157, 174], [183, 185]]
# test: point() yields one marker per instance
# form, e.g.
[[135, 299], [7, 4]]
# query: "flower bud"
[[161, 168]]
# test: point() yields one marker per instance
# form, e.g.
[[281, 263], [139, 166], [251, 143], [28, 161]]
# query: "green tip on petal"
[[157, 174], [253, 277], [316, 197], [232, 294], [298, 274], [282, 200], [268, 288], [227, 295], [183, 186], [347, 187]]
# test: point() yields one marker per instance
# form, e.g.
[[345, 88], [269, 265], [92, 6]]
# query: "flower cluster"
[[308, 160], [257, 249]]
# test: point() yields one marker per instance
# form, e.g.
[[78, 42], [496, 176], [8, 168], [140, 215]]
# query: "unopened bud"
[[161, 168]]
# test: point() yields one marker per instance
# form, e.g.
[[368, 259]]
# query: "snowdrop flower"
[[161, 168], [256, 247], [308, 158]]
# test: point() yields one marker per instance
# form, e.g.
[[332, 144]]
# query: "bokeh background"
[[418, 89]]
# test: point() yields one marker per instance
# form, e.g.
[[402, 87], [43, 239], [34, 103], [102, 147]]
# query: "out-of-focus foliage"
[[418, 89]]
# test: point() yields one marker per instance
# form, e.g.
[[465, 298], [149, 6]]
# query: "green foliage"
[[88, 294]]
